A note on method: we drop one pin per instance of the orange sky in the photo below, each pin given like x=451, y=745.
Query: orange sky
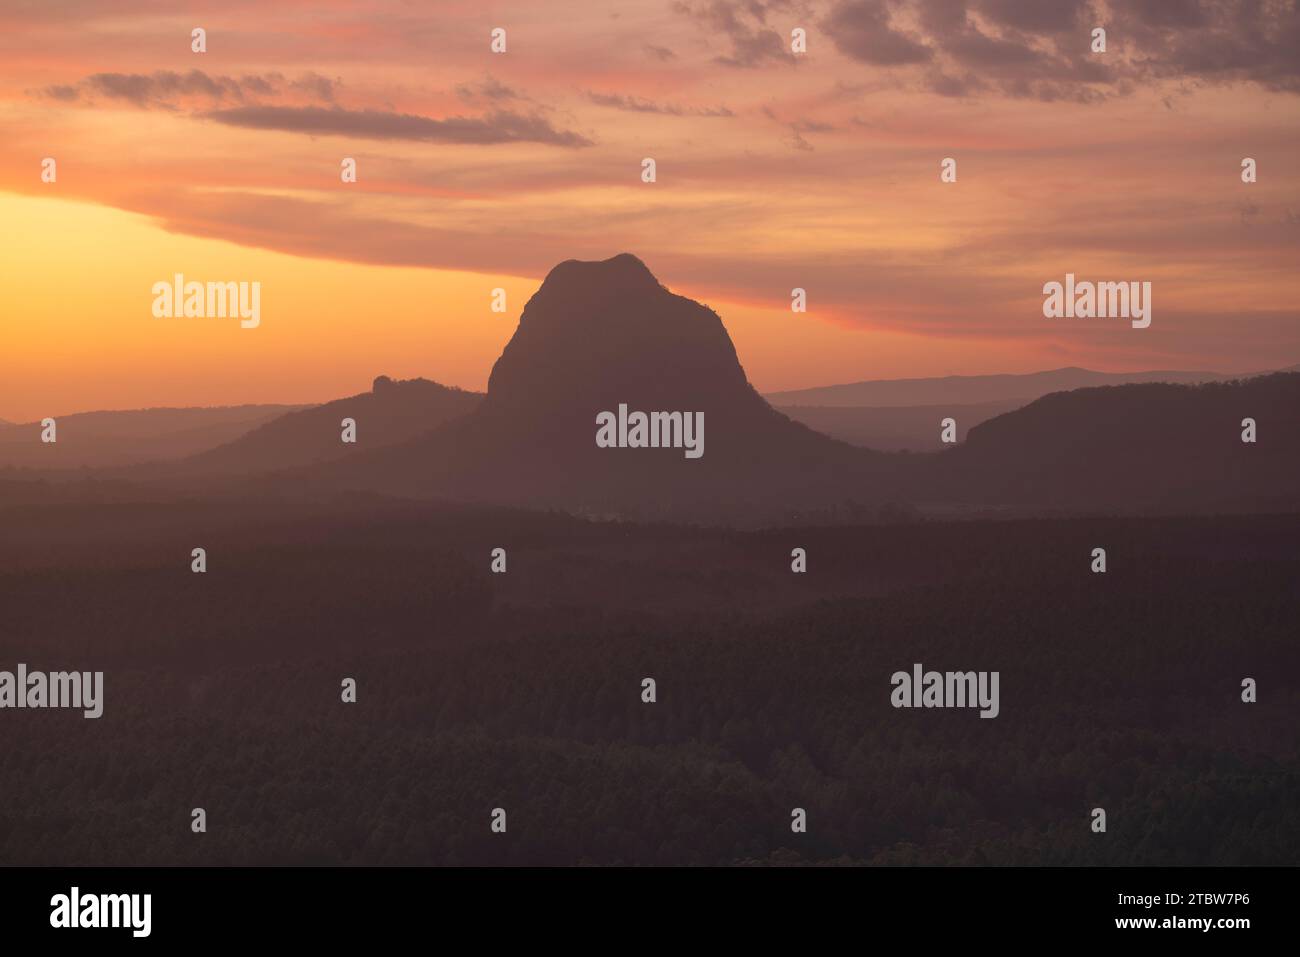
x=479, y=170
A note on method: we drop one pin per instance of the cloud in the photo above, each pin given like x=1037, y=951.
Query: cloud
x=813, y=126
x=490, y=89
x=316, y=85
x=497, y=127
x=1218, y=42
x=889, y=288
x=635, y=104
x=1035, y=16
x=345, y=232
x=662, y=54
x=797, y=127
x=744, y=23
x=947, y=84
x=242, y=102
x=165, y=89
x=1029, y=49
x=861, y=29
x=1169, y=13
x=796, y=141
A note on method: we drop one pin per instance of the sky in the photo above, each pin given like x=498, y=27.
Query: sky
x=479, y=170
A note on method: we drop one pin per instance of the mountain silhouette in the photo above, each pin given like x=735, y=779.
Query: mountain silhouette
x=898, y=414
x=392, y=411
x=597, y=335
x=1152, y=446
x=600, y=337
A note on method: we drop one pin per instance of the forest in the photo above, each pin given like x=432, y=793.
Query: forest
x=522, y=690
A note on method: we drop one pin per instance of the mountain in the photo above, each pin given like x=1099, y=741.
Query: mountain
x=597, y=335
x=1153, y=446
x=606, y=341
x=957, y=389
x=392, y=411
x=115, y=438
x=600, y=335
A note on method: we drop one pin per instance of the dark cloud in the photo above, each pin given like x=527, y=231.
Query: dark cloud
x=165, y=88
x=861, y=29
x=744, y=23
x=635, y=104
x=497, y=127
x=1169, y=13
x=1039, y=16
x=1042, y=50
x=65, y=93
x=490, y=89
x=1218, y=42
x=319, y=87
x=939, y=17
x=260, y=85
x=161, y=87
x=971, y=48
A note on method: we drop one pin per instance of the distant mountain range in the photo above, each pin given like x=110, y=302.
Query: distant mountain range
x=598, y=335
x=116, y=438
x=601, y=342
x=897, y=428
x=904, y=414
x=969, y=389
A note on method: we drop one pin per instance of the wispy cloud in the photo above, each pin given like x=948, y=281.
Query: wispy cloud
x=635, y=104
x=661, y=53
x=497, y=127
x=490, y=89
x=167, y=88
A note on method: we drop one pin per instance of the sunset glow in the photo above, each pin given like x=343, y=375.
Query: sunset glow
x=479, y=170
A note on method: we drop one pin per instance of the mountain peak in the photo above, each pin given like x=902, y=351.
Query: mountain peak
x=618, y=279
x=607, y=331
x=624, y=269
x=606, y=338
